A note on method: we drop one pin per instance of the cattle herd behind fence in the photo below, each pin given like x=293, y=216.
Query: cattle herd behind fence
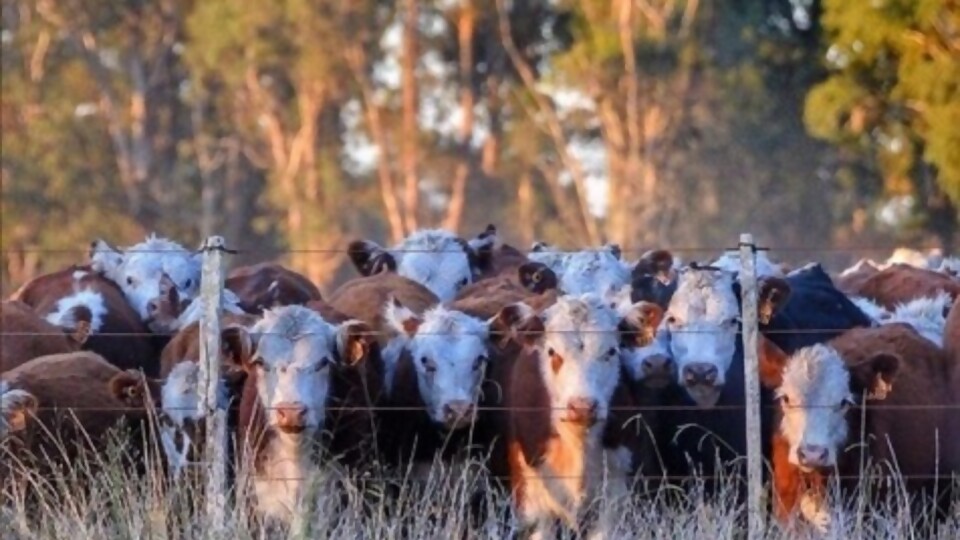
x=771, y=358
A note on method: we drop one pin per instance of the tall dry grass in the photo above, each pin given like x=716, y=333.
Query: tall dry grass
x=100, y=497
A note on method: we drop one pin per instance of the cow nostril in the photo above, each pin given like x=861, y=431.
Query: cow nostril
x=810, y=454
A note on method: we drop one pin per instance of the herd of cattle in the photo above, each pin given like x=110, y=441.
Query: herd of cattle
x=570, y=373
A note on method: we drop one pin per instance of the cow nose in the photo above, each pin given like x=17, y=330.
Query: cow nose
x=812, y=455
x=656, y=365
x=700, y=373
x=582, y=410
x=457, y=413
x=291, y=417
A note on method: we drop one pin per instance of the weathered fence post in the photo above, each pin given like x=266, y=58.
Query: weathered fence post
x=211, y=294
x=748, y=291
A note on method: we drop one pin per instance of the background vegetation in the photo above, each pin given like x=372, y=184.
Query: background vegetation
x=301, y=124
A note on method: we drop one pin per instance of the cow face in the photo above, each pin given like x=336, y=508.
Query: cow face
x=449, y=351
x=816, y=391
x=146, y=271
x=438, y=260
x=702, y=321
x=576, y=344
x=645, y=351
x=16, y=407
x=291, y=362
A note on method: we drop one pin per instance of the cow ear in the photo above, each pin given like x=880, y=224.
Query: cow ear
x=370, y=259
x=772, y=360
x=639, y=324
x=401, y=319
x=658, y=264
x=482, y=247
x=133, y=388
x=537, y=277
x=613, y=249
x=354, y=339
x=773, y=295
x=16, y=406
x=517, y=320
x=77, y=323
x=874, y=377
x=104, y=259
x=236, y=347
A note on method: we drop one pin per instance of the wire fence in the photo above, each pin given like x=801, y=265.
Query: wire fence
x=210, y=361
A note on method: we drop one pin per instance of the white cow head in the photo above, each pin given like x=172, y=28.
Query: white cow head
x=816, y=390
x=702, y=320
x=145, y=272
x=576, y=344
x=450, y=352
x=439, y=260
x=928, y=316
x=293, y=350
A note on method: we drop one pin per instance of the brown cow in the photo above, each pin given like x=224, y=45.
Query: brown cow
x=266, y=285
x=286, y=402
x=852, y=279
x=116, y=331
x=364, y=298
x=25, y=335
x=78, y=399
x=560, y=453
x=901, y=283
x=893, y=370
x=527, y=278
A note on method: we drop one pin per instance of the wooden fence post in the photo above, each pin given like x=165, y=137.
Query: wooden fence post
x=751, y=363
x=211, y=294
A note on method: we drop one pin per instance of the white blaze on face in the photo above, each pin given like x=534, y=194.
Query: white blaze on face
x=814, y=398
x=579, y=354
x=294, y=352
x=449, y=352
x=435, y=259
x=594, y=271
x=63, y=316
x=138, y=270
x=702, y=320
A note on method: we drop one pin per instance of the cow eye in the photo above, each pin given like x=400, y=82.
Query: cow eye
x=187, y=284
x=129, y=280
x=463, y=283
x=324, y=362
x=551, y=352
x=671, y=319
x=785, y=400
x=428, y=365
x=257, y=362
x=612, y=352
x=479, y=362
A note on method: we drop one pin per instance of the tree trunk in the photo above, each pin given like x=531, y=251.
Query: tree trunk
x=466, y=24
x=410, y=105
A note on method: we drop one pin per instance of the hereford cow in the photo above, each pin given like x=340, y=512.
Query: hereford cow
x=599, y=271
x=268, y=285
x=654, y=278
x=180, y=396
x=563, y=457
x=902, y=283
x=79, y=398
x=891, y=370
x=435, y=386
x=439, y=260
x=138, y=270
x=24, y=335
x=286, y=401
x=116, y=332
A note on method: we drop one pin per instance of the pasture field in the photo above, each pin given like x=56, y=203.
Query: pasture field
x=101, y=497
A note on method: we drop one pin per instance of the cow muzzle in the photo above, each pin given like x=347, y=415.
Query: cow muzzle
x=458, y=414
x=291, y=417
x=581, y=411
x=657, y=370
x=701, y=379
x=813, y=456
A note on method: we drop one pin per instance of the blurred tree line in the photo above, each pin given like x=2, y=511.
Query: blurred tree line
x=297, y=125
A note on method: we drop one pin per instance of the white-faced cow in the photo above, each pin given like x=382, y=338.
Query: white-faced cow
x=892, y=370
x=139, y=269
x=599, y=271
x=285, y=402
x=559, y=403
x=439, y=260
x=78, y=299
